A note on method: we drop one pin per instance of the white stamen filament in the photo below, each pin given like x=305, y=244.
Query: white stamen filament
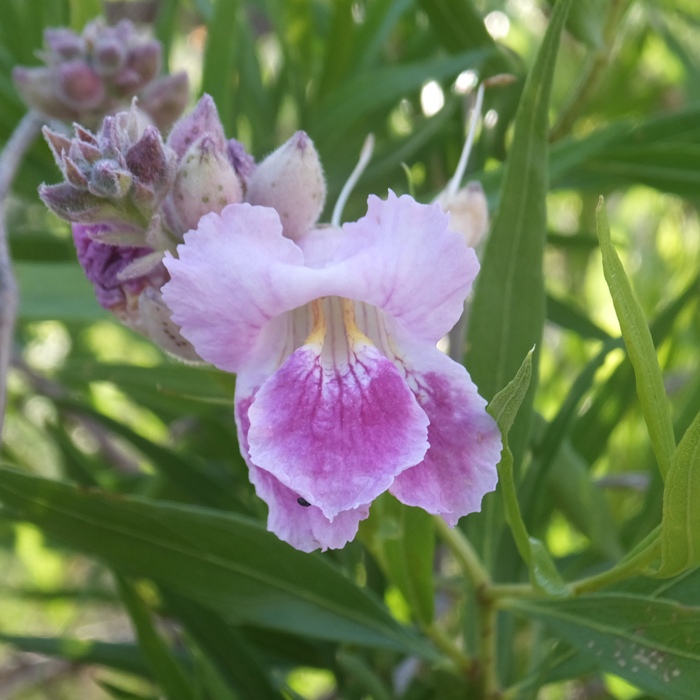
x=453, y=184
x=365, y=155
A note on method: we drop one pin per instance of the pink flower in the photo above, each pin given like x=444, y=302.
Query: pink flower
x=341, y=392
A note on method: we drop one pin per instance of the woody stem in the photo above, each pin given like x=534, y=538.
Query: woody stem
x=10, y=159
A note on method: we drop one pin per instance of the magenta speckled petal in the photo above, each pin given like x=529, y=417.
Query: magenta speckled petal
x=304, y=527
x=336, y=434
x=465, y=444
x=235, y=273
x=402, y=257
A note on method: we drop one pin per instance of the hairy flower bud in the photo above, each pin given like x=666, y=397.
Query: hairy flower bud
x=291, y=181
x=205, y=182
x=202, y=120
x=165, y=99
x=119, y=175
x=94, y=74
x=206, y=179
x=468, y=210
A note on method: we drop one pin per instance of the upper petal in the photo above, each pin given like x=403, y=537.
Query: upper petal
x=403, y=258
x=336, y=434
x=234, y=273
x=459, y=467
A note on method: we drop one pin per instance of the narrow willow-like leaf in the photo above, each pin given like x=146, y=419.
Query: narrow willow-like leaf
x=458, y=25
x=56, y=290
x=640, y=348
x=680, y=526
x=504, y=409
x=403, y=541
x=218, y=76
x=171, y=677
x=120, y=657
x=653, y=644
x=229, y=564
x=508, y=313
x=222, y=643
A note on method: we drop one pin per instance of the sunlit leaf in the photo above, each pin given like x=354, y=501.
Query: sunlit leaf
x=651, y=643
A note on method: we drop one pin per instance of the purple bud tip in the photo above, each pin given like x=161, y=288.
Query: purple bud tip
x=301, y=140
x=243, y=163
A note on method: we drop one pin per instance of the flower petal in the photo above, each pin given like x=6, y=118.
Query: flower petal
x=234, y=274
x=304, y=527
x=465, y=444
x=403, y=258
x=336, y=434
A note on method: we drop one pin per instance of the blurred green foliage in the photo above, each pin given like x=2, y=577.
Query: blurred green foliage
x=159, y=494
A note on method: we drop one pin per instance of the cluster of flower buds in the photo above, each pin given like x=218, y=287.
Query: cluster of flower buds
x=131, y=196
x=86, y=76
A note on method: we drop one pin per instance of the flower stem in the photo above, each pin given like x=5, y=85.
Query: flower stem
x=464, y=553
x=450, y=649
x=10, y=159
x=625, y=569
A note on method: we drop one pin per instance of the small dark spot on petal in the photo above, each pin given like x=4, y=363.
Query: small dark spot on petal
x=303, y=502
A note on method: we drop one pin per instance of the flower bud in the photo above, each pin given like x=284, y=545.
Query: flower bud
x=88, y=76
x=243, y=163
x=108, y=180
x=151, y=163
x=205, y=182
x=157, y=325
x=102, y=264
x=63, y=44
x=291, y=180
x=203, y=119
x=109, y=56
x=165, y=99
x=142, y=66
x=37, y=88
x=468, y=210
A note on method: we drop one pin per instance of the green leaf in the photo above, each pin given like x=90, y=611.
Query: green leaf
x=56, y=290
x=506, y=403
x=458, y=25
x=567, y=316
x=227, y=563
x=504, y=409
x=651, y=643
x=218, y=71
x=186, y=474
x=121, y=657
x=403, y=540
x=171, y=677
x=508, y=312
x=640, y=348
x=680, y=526
x=382, y=87
x=221, y=643
x=82, y=11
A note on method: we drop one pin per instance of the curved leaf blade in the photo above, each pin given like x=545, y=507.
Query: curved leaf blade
x=227, y=563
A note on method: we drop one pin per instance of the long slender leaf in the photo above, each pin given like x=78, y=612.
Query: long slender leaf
x=227, y=563
x=680, y=527
x=649, y=642
x=640, y=348
x=508, y=311
x=172, y=678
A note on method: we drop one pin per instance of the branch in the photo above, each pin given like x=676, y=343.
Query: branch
x=10, y=159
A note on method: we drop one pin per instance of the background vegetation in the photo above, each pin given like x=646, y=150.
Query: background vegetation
x=148, y=575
